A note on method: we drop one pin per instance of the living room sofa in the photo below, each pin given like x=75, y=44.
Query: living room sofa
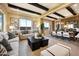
x=15, y=47
x=14, y=43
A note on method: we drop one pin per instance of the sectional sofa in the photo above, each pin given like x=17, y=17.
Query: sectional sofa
x=14, y=44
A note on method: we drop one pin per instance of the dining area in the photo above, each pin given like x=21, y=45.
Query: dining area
x=70, y=35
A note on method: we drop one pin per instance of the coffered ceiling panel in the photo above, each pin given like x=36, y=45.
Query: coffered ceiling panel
x=64, y=12
x=49, y=18
x=75, y=7
x=38, y=9
x=53, y=15
x=49, y=5
x=29, y=7
x=32, y=14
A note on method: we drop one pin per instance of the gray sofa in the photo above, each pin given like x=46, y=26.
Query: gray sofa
x=14, y=43
x=15, y=46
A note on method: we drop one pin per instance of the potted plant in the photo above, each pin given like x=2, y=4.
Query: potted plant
x=42, y=28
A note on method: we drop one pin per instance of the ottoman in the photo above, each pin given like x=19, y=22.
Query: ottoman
x=34, y=43
x=56, y=50
x=44, y=42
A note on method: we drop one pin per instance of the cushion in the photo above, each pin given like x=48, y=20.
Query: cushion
x=5, y=35
x=1, y=37
x=59, y=33
x=11, y=35
x=53, y=33
x=65, y=34
x=16, y=39
x=24, y=32
x=6, y=44
x=15, y=47
x=3, y=51
x=77, y=36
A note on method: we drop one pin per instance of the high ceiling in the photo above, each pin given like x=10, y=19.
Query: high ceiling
x=39, y=9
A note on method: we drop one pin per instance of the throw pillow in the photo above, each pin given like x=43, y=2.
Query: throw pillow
x=3, y=51
x=11, y=35
x=6, y=44
x=1, y=37
x=5, y=35
x=24, y=32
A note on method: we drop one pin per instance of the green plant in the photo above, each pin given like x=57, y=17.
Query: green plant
x=42, y=27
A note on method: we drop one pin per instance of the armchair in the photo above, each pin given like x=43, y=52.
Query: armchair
x=53, y=33
x=66, y=35
x=77, y=36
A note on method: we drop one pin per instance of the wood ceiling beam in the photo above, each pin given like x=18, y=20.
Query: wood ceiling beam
x=39, y=6
x=23, y=9
x=52, y=17
x=52, y=10
x=59, y=14
x=71, y=10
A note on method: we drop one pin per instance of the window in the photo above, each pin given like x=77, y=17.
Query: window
x=25, y=24
x=70, y=26
x=1, y=22
x=29, y=23
x=46, y=25
x=22, y=22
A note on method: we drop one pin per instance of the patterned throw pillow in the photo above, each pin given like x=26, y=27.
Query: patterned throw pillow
x=6, y=44
x=11, y=35
x=3, y=35
x=4, y=41
x=3, y=51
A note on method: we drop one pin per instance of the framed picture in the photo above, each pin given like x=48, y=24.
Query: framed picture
x=15, y=22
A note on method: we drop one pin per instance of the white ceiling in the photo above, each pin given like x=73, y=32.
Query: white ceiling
x=75, y=7
x=29, y=7
x=53, y=15
x=49, y=5
x=24, y=12
x=64, y=12
x=48, y=18
x=33, y=8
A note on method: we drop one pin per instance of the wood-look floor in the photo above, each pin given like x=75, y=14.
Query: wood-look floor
x=26, y=51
